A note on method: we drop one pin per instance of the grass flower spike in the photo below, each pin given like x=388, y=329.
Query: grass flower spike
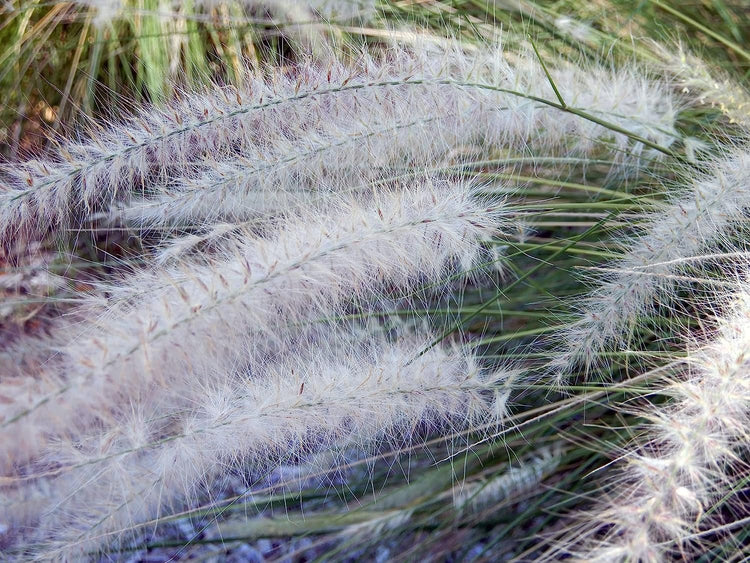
x=361, y=280
x=690, y=223
x=168, y=327
x=369, y=391
x=673, y=475
x=210, y=155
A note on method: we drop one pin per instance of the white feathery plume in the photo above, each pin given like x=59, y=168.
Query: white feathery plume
x=421, y=106
x=368, y=391
x=298, y=128
x=693, y=220
x=700, y=83
x=167, y=328
x=673, y=474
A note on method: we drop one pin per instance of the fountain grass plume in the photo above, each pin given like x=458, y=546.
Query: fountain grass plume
x=699, y=216
x=706, y=86
x=165, y=328
x=688, y=461
x=317, y=123
x=330, y=394
x=420, y=109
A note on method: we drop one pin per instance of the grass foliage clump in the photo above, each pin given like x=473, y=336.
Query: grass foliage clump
x=354, y=280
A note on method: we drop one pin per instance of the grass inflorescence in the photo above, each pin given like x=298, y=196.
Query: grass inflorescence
x=355, y=280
